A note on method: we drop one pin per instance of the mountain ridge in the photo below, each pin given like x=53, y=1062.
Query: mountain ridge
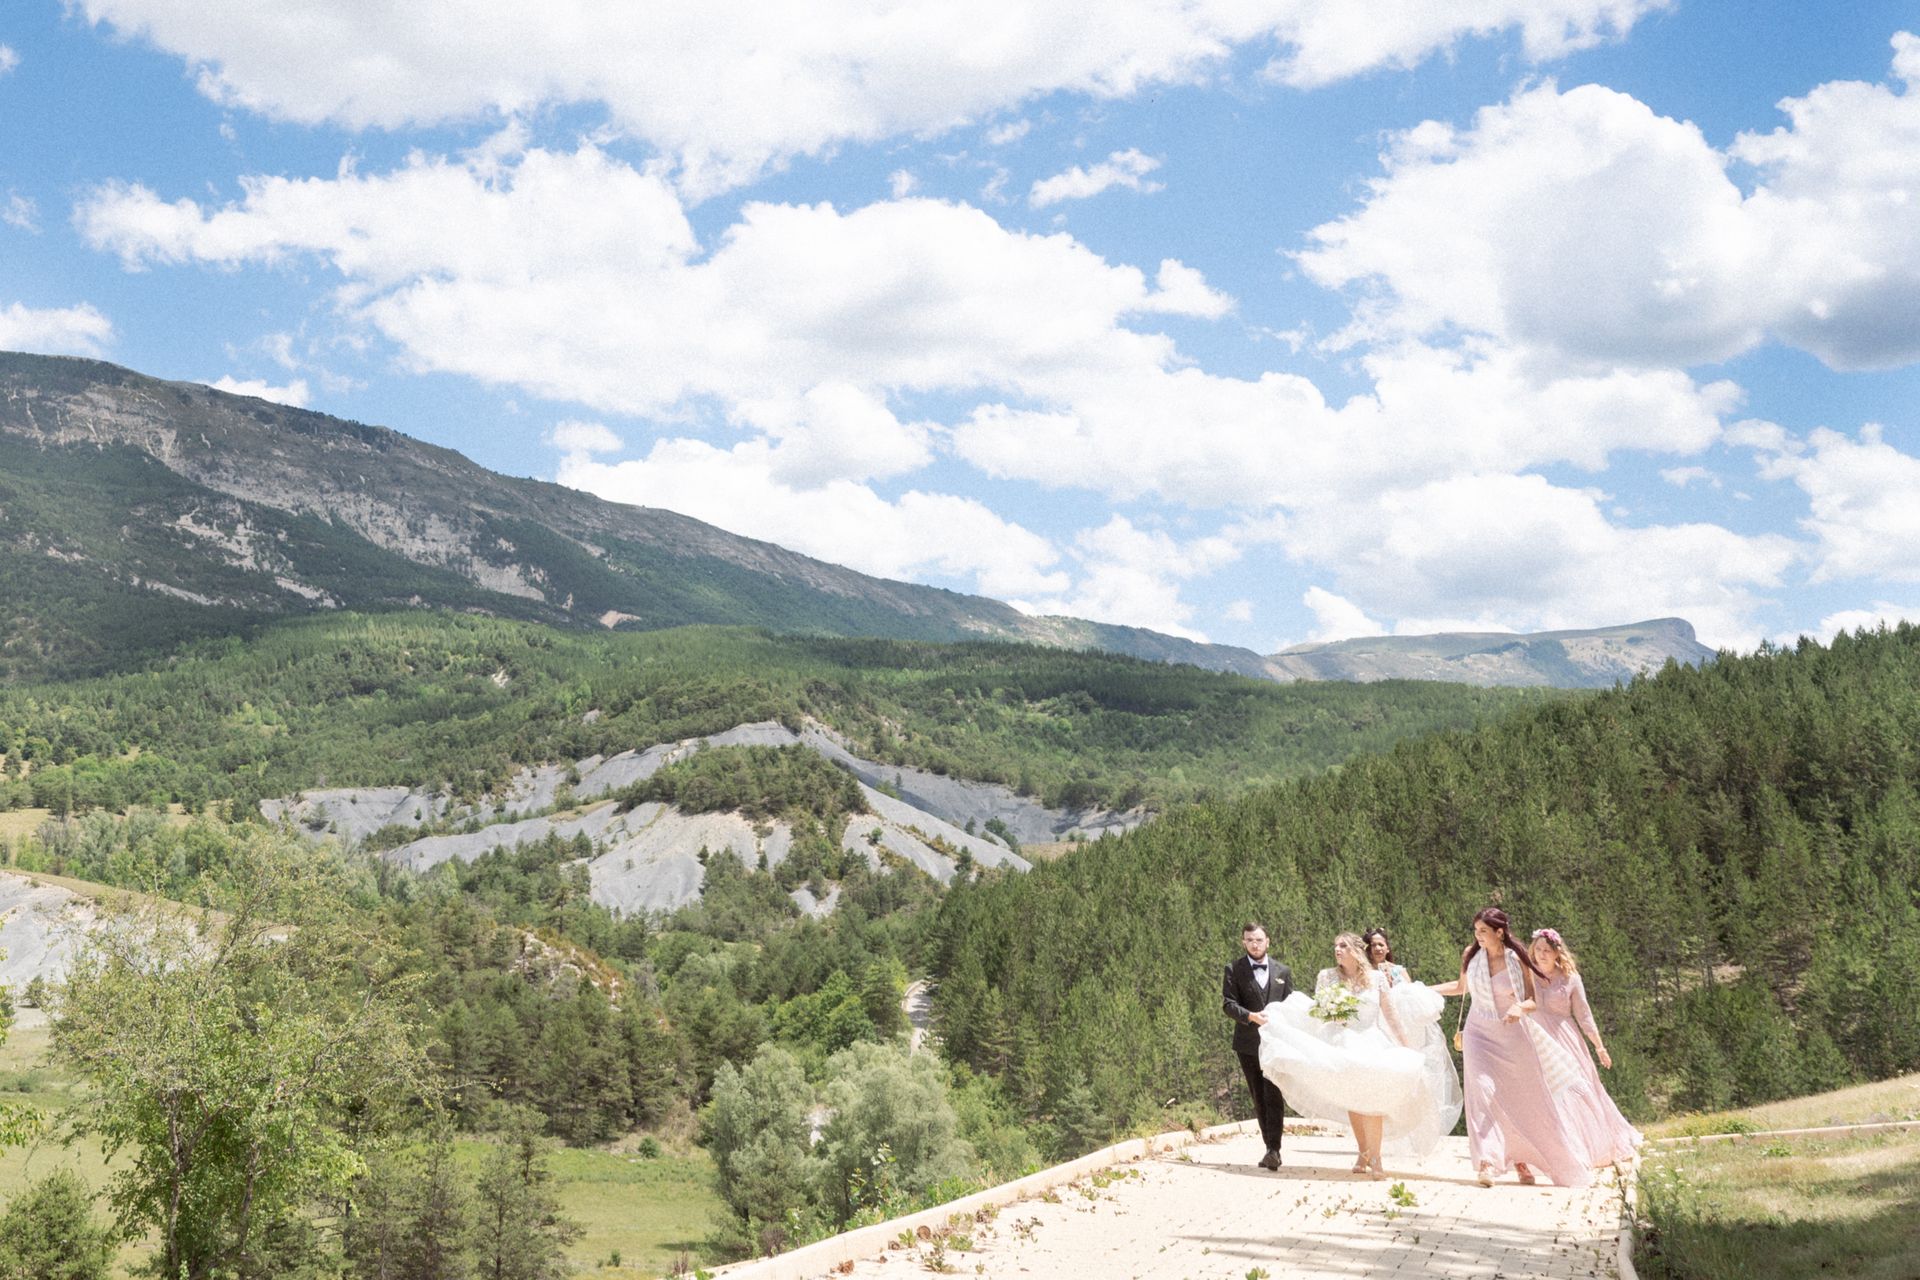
x=240, y=509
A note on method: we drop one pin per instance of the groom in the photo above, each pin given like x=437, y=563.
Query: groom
x=1250, y=984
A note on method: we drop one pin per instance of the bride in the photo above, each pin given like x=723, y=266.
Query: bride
x=1344, y=1055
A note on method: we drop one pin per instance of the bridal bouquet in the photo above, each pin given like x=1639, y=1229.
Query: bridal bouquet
x=1336, y=1003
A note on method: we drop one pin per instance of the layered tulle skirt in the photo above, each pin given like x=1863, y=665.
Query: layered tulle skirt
x=1327, y=1070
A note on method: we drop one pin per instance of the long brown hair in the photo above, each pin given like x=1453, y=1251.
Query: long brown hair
x=1495, y=918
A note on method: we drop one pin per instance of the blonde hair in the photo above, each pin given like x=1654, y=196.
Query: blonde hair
x=1569, y=963
x=1359, y=949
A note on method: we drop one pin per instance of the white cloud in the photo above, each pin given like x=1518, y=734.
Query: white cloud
x=1237, y=611
x=1880, y=614
x=278, y=347
x=1336, y=618
x=901, y=183
x=1132, y=576
x=1204, y=440
x=1128, y=169
x=8, y=59
x=1515, y=551
x=20, y=211
x=77, y=330
x=1582, y=224
x=295, y=393
x=577, y=277
x=575, y=436
x=1681, y=477
x=1864, y=501
x=740, y=489
x=727, y=95
x=1004, y=135
x=837, y=431
x=551, y=213
x=1332, y=41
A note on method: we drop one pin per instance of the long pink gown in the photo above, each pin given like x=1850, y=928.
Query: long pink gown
x=1513, y=1113
x=1564, y=1014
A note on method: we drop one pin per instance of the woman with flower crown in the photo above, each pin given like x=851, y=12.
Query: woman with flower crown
x=1336, y=1058
x=1564, y=1015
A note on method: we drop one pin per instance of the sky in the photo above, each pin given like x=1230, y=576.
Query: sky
x=1254, y=321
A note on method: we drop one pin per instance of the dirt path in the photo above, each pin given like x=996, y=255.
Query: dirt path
x=917, y=1004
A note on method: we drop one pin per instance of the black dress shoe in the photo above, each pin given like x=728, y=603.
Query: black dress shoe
x=1271, y=1160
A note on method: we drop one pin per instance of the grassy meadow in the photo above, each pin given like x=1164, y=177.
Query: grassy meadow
x=1785, y=1207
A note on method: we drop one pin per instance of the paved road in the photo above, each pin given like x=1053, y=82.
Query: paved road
x=1212, y=1216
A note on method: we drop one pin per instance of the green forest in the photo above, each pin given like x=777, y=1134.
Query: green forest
x=1734, y=852
x=459, y=703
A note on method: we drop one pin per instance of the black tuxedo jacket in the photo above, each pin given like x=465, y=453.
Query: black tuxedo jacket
x=1240, y=995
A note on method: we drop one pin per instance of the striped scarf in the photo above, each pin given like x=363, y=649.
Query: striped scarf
x=1555, y=1062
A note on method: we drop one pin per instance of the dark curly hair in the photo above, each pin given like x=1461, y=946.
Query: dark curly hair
x=1366, y=941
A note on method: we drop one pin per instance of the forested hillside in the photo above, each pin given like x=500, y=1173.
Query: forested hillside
x=1734, y=852
x=459, y=703
x=514, y=988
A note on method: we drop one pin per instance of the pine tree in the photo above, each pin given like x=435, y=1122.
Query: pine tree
x=48, y=1233
x=518, y=1232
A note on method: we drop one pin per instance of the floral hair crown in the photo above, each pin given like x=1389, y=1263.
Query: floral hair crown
x=1551, y=935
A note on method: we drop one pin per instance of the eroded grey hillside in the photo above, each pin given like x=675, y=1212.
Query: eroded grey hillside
x=648, y=859
x=41, y=927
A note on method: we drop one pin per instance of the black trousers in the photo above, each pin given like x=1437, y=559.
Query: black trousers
x=1267, y=1106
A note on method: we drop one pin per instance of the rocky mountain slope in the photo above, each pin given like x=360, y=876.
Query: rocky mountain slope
x=1567, y=659
x=136, y=513
x=190, y=510
x=649, y=858
x=42, y=923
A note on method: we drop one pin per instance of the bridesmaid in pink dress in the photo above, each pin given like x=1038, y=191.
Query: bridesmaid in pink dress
x=1564, y=1014
x=1515, y=1076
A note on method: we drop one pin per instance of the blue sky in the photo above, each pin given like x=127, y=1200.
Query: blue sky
x=1255, y=321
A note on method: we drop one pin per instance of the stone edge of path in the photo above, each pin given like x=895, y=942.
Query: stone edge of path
x=1629, y=1223
x=823, y=1256
x=1819, y=1131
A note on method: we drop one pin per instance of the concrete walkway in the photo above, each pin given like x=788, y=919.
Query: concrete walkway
x=1205, y=1213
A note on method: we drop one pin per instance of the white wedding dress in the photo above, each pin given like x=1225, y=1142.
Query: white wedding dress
x=1366, y=1065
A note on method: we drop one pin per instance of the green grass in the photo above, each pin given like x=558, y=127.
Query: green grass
x=1783, y=1208
x=651, y=1211
x=15, y=823
x=1895, y=1099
